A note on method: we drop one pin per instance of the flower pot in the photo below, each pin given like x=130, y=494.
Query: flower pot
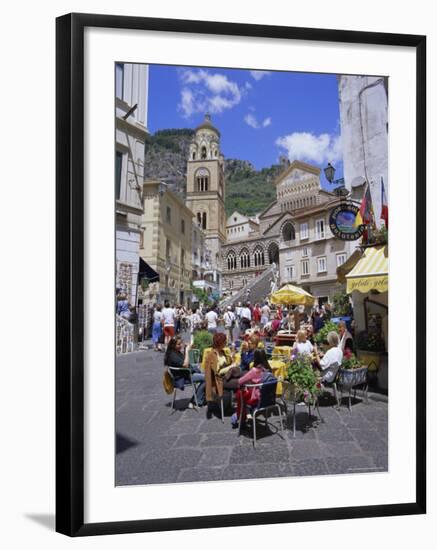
x=352, y=377
x=370, y=358
x=290, y=391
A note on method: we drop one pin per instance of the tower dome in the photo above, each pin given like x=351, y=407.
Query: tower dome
x=207, y=125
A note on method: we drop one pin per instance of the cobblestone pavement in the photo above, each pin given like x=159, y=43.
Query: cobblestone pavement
x=153, y=446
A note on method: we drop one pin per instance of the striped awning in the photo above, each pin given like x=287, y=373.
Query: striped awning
x=370, y=272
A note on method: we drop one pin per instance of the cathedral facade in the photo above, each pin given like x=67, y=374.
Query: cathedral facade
x=293, y=232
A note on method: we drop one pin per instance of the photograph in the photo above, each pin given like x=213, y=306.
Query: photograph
x=251, y=274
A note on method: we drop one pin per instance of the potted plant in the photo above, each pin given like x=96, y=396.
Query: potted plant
x=202, y=340
x=352, y=372
x=303, y=382
x=370, y=345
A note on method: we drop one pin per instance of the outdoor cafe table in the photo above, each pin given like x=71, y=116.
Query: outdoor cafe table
x=282, y=350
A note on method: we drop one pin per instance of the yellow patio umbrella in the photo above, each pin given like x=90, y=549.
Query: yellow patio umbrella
x=290, y=295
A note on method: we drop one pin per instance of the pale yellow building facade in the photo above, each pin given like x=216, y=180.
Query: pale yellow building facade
x=166, y=242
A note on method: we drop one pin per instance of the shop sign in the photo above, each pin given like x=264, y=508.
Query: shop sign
x=342, y=222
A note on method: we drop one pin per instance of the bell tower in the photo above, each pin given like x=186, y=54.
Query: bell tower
x=206, y=188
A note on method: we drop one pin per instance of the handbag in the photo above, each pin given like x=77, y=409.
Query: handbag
x=167, y=383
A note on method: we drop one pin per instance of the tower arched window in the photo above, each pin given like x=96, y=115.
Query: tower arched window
x=244, y=259
x=202, y=180
x=194, y=155
x=204, y=220
x=199, y=218
x=203, y=153
x=258, y=256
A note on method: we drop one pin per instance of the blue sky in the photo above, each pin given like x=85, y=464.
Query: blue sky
x=260, y=114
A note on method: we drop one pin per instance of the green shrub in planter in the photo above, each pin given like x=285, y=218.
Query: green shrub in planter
x=202, y=340
x=329, y=326
x=304, y=382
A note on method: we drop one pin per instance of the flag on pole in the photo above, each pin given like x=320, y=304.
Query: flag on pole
x=384, y=205
x=365, y=213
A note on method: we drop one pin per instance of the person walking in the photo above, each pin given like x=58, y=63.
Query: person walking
x=246, y=318
x=168, y=322
x=157, y=328
x=229, y=320
x=211, y=319
x=265, y=314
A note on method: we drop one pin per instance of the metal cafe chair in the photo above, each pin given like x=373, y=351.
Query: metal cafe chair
x=181, y=377
x=266, y=405
x=329, y=380
x=194, y=358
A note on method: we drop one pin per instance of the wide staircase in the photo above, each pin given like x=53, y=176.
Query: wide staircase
x=255, y=291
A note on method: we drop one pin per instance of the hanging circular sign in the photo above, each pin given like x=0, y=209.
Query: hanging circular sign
x=342, y=222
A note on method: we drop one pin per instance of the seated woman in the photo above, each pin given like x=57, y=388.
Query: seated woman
x=302, y=344
x=247, y=356
x=250, y=396
x=331, y=361
x=174, y=357
x=218, y=367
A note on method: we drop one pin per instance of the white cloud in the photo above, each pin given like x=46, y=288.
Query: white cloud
x=258, y=75
x=252, y=121
x=204, y=91
x=310, y=147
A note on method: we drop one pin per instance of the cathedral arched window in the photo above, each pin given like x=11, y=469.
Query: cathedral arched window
x=244, y=259
x=199, y=218
x=204, y=220
x=231, y=260
x=194, y=155
x=273, y=252
x=288, y=233
x=258, y=256
x=203, y=153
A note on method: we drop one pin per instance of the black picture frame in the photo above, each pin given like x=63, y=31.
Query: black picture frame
x=70, y=272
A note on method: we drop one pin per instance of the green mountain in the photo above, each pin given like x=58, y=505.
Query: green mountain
x=247, y=190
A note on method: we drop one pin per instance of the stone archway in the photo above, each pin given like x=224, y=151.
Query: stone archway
x=273, y=253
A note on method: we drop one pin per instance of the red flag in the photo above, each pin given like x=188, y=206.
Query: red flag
x=365, y=214
x=384, y=205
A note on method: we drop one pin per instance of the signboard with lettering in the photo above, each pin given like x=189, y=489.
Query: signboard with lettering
x=342, y=222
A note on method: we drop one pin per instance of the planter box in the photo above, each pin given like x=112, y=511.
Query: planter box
x=352, y=377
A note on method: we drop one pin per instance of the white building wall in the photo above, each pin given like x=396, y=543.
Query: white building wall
x=127, y=251
x=132, y=80
x=364, y=134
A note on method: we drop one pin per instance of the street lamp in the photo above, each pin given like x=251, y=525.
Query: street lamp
x=330, y=174
x=341, y=190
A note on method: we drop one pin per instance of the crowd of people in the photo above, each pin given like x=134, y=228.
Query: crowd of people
x=228, y=367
